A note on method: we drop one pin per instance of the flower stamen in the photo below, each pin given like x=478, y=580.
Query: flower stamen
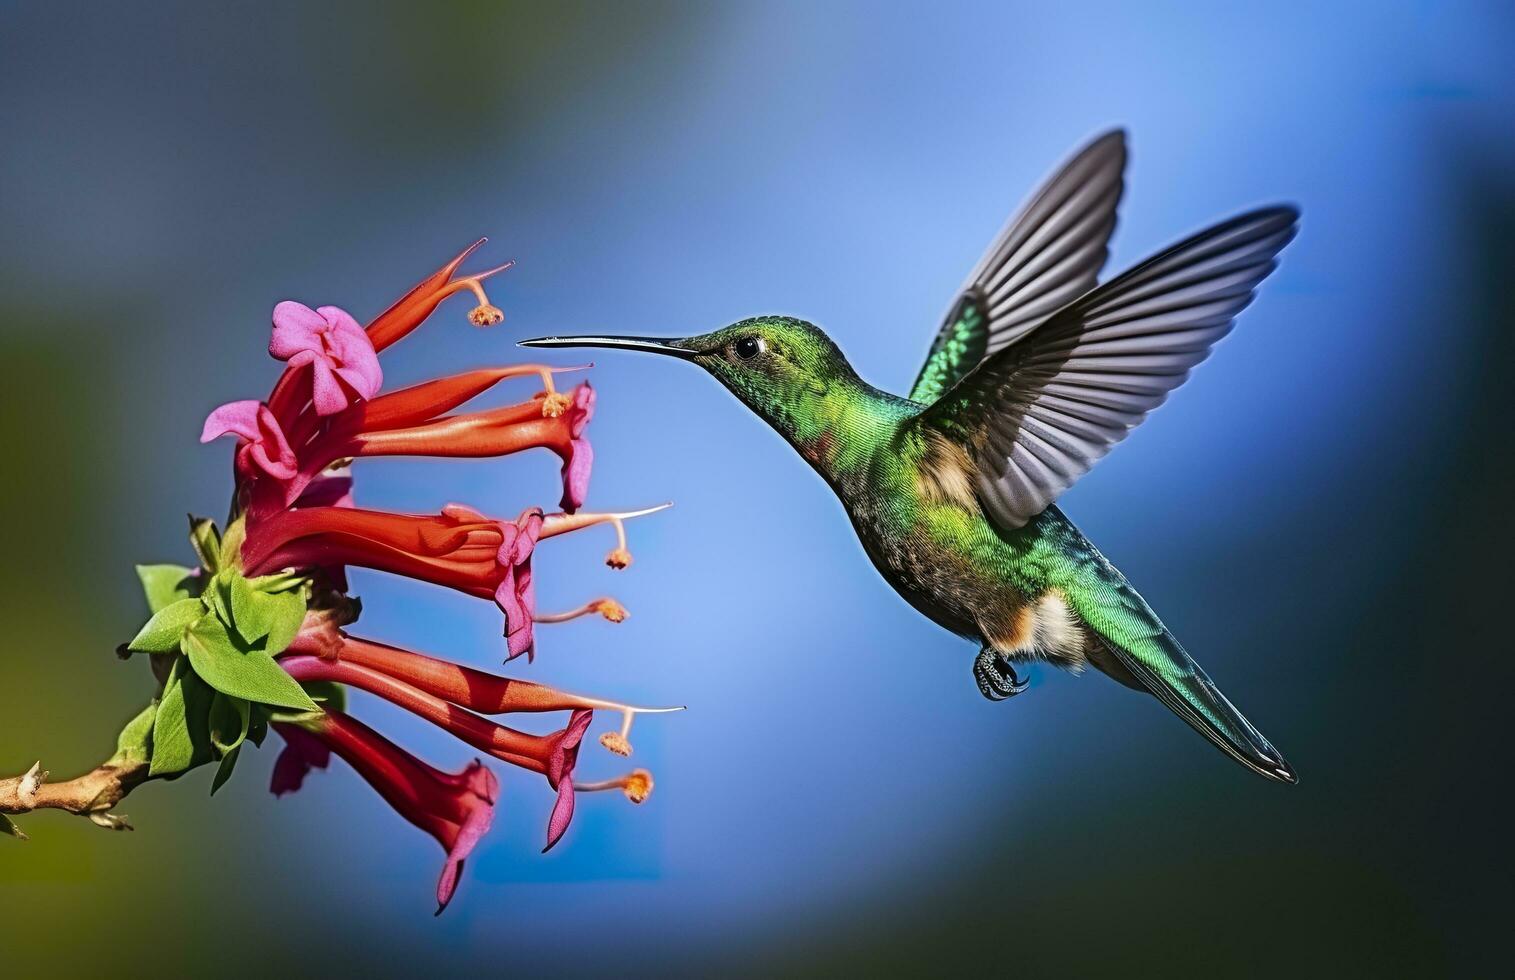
x=637, y=785
x=605, y=606
x=554, y=402
x=620, y=556
x=486, y=314
x=620, y=742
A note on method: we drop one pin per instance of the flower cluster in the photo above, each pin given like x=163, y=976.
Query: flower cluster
x=256, y=636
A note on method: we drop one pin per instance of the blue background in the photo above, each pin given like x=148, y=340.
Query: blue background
x=1320, y=513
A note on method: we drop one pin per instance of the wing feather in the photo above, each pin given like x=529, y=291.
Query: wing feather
x=1049, y=254
x=1041, y=410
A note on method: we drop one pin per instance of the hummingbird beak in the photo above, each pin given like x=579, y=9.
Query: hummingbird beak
x=656, y=345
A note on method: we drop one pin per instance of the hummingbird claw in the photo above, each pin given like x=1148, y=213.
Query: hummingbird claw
x=996, y=676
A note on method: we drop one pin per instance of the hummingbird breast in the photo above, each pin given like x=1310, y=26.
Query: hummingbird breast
x=921, y=525
x=941, y=582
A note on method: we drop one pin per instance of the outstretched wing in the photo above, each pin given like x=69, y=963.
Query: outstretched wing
x=1050, y=253
x=1037, y=415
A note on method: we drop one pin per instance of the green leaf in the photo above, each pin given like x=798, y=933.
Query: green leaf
x=279, y=581
x=223, y=771
x=257, y=614
x=135, y=743
x=8, y=826
x=180, y=731
x=207, y=542
x=250, y=613
x=166, y=584
x=231, y=544
x=239, y=671
x=162, y=632
x=218, y=596
x=257, y=731
x=229, y=720
x=286, y=614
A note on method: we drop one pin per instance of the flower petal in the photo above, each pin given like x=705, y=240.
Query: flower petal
x=235, y=418
x=582, y=410
x=473, y=830
x=560, y=767
x=576, y=475
x=326, y=391
x=302, y=753
x=562, y=814
x=297, y=327
x=353, y=352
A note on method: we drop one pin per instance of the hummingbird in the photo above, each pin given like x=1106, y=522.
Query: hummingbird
x=1036, y=372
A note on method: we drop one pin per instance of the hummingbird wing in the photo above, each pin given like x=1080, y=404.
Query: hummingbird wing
x=1049, y=253
x=1036, y=415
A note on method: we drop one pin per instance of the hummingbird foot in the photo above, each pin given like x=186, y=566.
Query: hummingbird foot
x=996, y=676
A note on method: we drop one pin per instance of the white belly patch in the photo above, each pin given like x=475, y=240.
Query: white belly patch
x=1055, y=634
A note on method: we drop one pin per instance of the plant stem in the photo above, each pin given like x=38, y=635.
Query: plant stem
x=90, y=795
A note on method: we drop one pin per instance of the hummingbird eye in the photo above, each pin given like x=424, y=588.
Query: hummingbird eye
x=747, y=348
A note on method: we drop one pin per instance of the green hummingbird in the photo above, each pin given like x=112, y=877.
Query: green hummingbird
x=1035, y=374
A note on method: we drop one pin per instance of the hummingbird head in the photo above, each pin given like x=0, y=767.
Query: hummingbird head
x=786, y=370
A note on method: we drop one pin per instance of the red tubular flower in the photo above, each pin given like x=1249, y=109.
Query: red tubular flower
x=455, y=808
x=458, y=548
x=330, y=489
x=293, y=511
x=476, y=690
x=425, y=402
x=411, y=422
x=381, y=429
x=553, y=755
x=412, y=309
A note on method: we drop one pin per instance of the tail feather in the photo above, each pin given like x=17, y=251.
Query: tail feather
x=1143, y=650
x=1160, y=664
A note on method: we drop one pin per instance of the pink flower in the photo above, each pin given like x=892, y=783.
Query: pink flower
x=293, y=510
x=560, y=767
x=263, y=448
x=554, y=755
x=393, y=426
x=455, y=808
x=341, y=357
x=579, y=456
x=516, y=595
x=412, y=422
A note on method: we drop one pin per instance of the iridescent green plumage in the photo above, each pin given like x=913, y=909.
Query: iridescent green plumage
x=957, y=350
x=1033, y=377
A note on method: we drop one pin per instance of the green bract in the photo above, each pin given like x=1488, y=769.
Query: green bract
x=223, y=631
x=163, y=631
x=164, y=584
x=135, y=743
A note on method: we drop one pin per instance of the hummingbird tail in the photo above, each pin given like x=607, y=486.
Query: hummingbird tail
x=1160, y=665
x=1133, y=646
